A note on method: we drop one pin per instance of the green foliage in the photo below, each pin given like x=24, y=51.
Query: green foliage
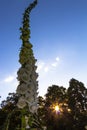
x=56, y=95
x=77, y=100
x=26, y=53
x=9, y=113
x=72, y=103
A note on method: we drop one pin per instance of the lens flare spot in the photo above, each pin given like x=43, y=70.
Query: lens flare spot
x=57, y=108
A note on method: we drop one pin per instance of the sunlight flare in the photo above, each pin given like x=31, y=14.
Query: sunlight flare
x=57, y=109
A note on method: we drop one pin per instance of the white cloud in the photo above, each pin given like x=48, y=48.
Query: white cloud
x=40, y=66
x=54, y=64
x=7, y=85
x=57, y=58
x=9, y=79
x=46, y=69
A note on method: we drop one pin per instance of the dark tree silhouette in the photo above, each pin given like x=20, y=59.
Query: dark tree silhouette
x=77, y=101
x=56, y=96
x=9, y=113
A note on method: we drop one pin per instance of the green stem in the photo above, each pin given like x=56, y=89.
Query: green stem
x=23, y=126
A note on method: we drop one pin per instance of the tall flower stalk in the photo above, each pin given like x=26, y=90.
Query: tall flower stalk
x=27, y=76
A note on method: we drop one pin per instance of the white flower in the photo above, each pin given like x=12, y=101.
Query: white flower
x=21, y=102
x=22, y=88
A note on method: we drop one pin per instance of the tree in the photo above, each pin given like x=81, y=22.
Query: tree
x=71, y=112
x=77, y=101
x=55, y=94
x=9, y=114
x=56, y=119
x=41, y=110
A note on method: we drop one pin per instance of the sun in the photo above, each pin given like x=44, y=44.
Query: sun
x=57, y=108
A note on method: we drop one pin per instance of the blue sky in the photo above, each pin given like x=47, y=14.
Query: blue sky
x=59, y=38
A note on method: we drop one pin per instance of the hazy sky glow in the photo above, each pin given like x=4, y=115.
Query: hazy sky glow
x=59, y=38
